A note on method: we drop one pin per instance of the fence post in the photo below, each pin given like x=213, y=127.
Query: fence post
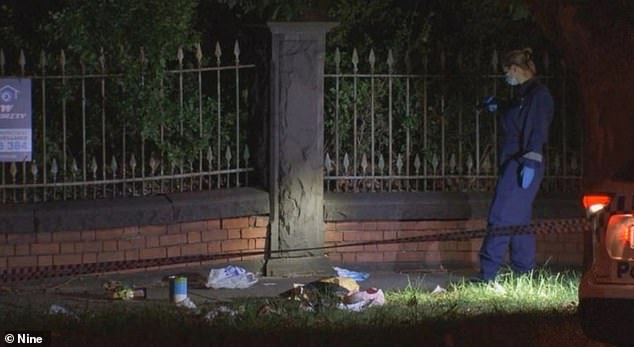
x=296, y=151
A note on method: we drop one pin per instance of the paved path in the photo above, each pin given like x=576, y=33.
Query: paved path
x=87, y=291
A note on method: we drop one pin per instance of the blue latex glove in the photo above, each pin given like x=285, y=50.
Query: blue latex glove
x=526, y=176
x=489, y=103
x=527, y=172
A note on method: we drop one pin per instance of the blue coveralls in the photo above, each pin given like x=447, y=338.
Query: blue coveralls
x=524, y=131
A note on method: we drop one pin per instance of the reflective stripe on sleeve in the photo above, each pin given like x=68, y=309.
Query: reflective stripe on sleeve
x=533, y=156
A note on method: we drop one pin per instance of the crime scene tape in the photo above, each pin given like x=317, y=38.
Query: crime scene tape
x=560, y=226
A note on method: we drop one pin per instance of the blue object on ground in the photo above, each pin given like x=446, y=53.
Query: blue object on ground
x=357, y=276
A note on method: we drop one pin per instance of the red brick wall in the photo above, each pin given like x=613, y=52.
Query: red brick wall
x=249, y=234
x=134, y=243
x=562, y=249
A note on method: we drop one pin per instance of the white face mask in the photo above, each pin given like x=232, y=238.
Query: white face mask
x=511, y=80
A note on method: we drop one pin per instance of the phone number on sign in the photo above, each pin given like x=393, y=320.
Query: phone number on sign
x=14, y=146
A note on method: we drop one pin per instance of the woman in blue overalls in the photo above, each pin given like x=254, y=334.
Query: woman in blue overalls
x=524, y=132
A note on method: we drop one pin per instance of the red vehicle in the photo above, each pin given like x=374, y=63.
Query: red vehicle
x=606, y=291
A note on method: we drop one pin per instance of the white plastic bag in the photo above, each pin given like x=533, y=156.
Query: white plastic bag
x=230, y=277
x=187, y=303
x=439, y=290
x=57, y=309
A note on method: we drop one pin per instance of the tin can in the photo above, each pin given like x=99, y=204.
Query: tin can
x=178, y=288
x=139, y=293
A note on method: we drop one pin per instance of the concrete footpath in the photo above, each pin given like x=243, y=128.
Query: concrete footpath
x=87, y=291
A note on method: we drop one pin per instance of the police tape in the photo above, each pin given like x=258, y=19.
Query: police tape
x=560, y=226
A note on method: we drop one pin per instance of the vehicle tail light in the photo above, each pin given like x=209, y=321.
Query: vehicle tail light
x=619, y=238
x=624, y=234
x=594, y=203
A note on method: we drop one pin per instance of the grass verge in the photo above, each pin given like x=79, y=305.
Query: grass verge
x=538, y=309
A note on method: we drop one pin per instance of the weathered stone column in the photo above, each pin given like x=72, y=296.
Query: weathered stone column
x=297, y=135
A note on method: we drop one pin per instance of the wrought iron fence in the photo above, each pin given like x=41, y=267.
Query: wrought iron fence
x=389, y=131
x=87, y=145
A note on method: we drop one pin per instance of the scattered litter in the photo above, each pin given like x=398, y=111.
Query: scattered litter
x=334, y=292
x=296, y=293
x=230, y=277
x=186, y=303
x=221, y=311
x=350, y=284
x=307, y=306
x=497, y=288
x=121, y=291
x=361, y=300
x=357, y=276
x=332, y=287
x=177, y=288
x=439, y=290
x=316, y=295
x=131, y=293
x=58, y=309
x=266, y=310
x=111, y=285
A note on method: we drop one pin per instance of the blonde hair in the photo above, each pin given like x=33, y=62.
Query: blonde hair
x=522, y=58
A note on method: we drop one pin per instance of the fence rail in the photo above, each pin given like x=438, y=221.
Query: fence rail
x=390, y=131
x=99, y=134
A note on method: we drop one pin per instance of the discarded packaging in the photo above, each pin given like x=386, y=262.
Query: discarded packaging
x=177, y=288
x=121, y=291
x=317, y=295
x=186, y=303
x=57, y=309
x=130, y=294
x=220, y=311
x=345, y=282
x=361, y=300
x=439, y=290
x=307, y=306
x=368, y=295
x=318, y=288
x=357, y=276
x=230, y=277
x=497, y=288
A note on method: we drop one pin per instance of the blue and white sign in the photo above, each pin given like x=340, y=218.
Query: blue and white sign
x=15, y=120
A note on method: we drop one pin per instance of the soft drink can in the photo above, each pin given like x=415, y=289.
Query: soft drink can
x=178, y=288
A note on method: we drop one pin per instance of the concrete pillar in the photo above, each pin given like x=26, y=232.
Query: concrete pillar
x=297, y=135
